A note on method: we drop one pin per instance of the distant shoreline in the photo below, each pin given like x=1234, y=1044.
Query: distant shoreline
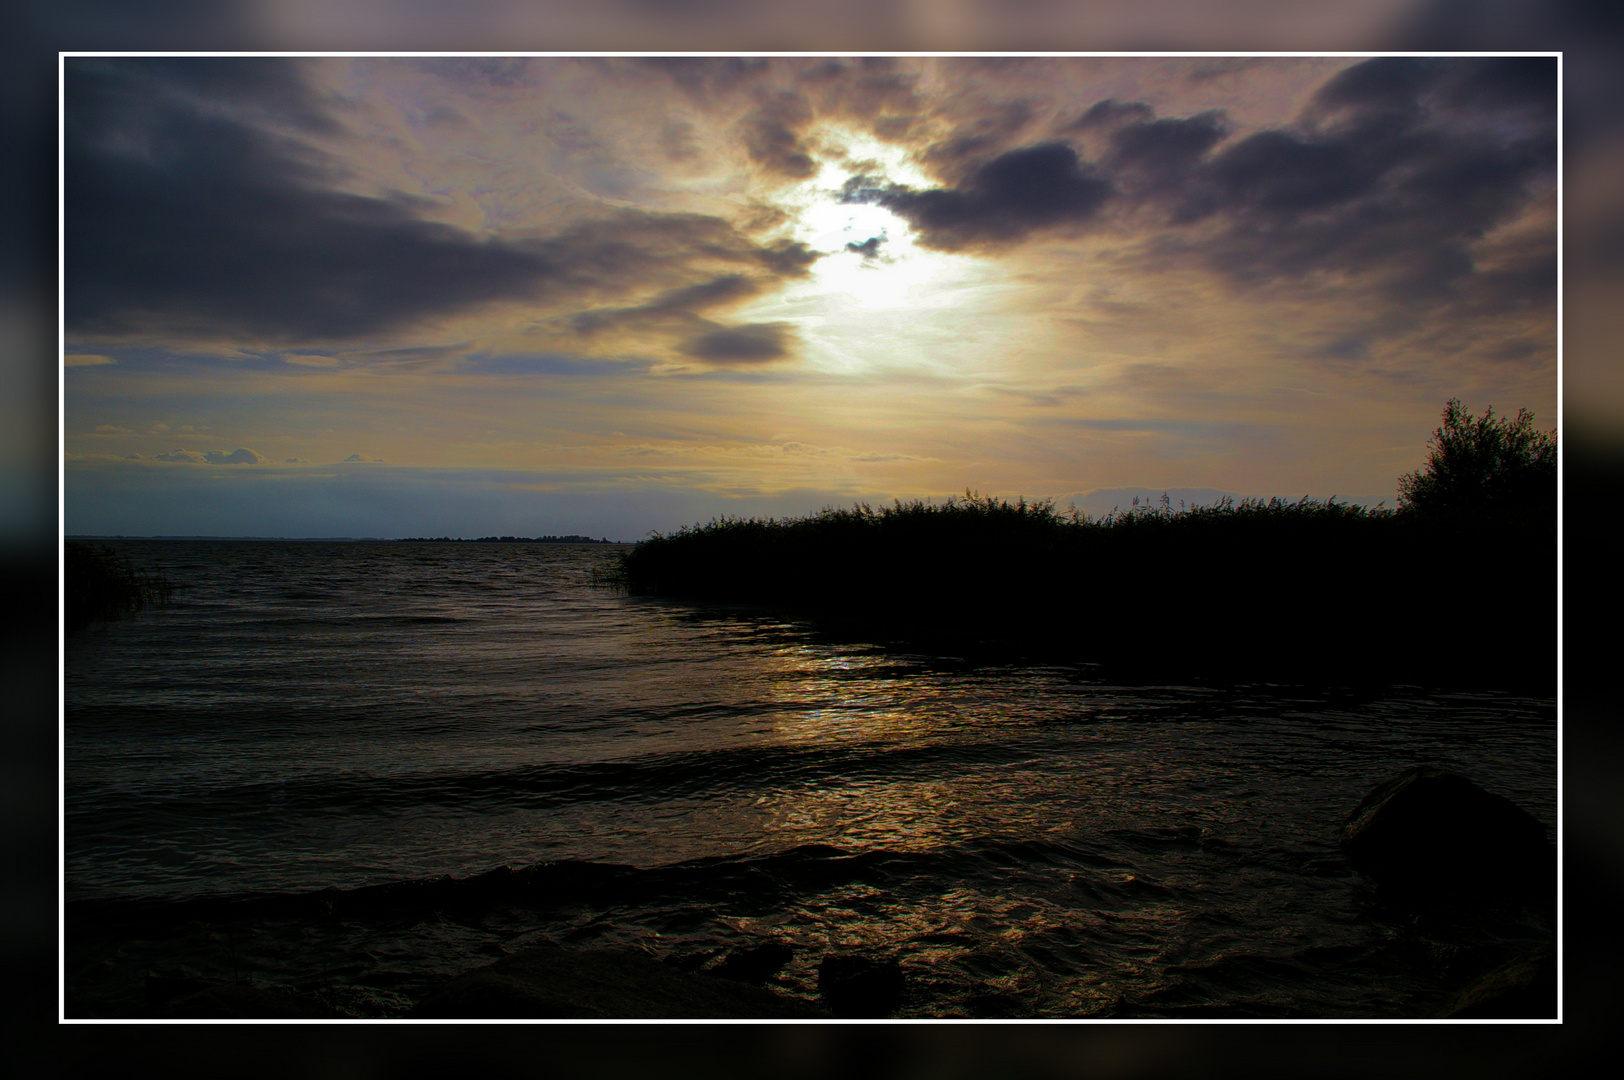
x=572, y=539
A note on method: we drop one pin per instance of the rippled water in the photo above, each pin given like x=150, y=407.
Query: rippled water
x=1029, y=840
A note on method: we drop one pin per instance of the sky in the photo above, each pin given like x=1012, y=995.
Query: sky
x=474, y=296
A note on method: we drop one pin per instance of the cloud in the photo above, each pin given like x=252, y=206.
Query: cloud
x=677, y=141
x=1016, y=193
x=1109, y=112
x=86, y=360
x=1391, y=189
x=674, y=306
x=772, y=136
x=1153, y=155
x=1388, y=186
x=1381, y=176
x=989, y=131
x=239, y=456
x=704, y=79
x=554, y=365
x=871, y=92
x=185, y=219
x=755, y=343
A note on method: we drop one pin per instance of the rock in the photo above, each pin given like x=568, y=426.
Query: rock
x=1523, y=988
x=755, y=965
x=1430, y=833
x=547, y=981
x=856, y=986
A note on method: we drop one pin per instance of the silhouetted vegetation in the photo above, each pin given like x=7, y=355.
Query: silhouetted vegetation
x=1484, y=465
x=1257, y=589
x=102, y=584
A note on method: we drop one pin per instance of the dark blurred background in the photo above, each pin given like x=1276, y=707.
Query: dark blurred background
x=1590, y=34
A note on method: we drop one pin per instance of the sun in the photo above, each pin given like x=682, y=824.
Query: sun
x=870, y=255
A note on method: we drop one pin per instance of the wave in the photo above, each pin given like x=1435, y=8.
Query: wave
x=652, y=778
x=1088, y=871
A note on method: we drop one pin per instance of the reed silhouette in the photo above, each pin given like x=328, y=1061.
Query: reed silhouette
x=1456, y=586
x=100, y=583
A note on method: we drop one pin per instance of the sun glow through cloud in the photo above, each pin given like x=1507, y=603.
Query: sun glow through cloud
x=873, y=277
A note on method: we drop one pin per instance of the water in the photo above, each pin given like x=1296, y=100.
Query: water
x=1029, y=840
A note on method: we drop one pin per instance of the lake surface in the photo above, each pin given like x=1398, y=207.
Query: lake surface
x=1029, y=840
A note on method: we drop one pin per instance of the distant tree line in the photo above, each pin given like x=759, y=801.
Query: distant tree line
x=570, y=539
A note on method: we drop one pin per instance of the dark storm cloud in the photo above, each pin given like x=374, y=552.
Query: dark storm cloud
x=1384, y=176
x=214, y=226
x=1508, y=83
x=195, y=221
x=1000, y=202
x=869, y=248
x=756, y=343
x=1156, y=155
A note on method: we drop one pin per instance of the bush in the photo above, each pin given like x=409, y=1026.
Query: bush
x=1483, y=464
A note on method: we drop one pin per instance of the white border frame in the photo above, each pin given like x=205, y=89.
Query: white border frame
x=64, y=56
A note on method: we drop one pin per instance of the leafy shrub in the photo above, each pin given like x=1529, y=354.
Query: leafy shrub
x=1483, y=464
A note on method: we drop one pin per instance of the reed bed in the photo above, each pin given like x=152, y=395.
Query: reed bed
x=1305, y=590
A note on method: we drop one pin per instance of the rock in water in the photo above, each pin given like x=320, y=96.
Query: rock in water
x=857, y=987
x=1428, y=832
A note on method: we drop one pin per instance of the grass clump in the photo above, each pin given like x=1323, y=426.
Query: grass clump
x=102, y=584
